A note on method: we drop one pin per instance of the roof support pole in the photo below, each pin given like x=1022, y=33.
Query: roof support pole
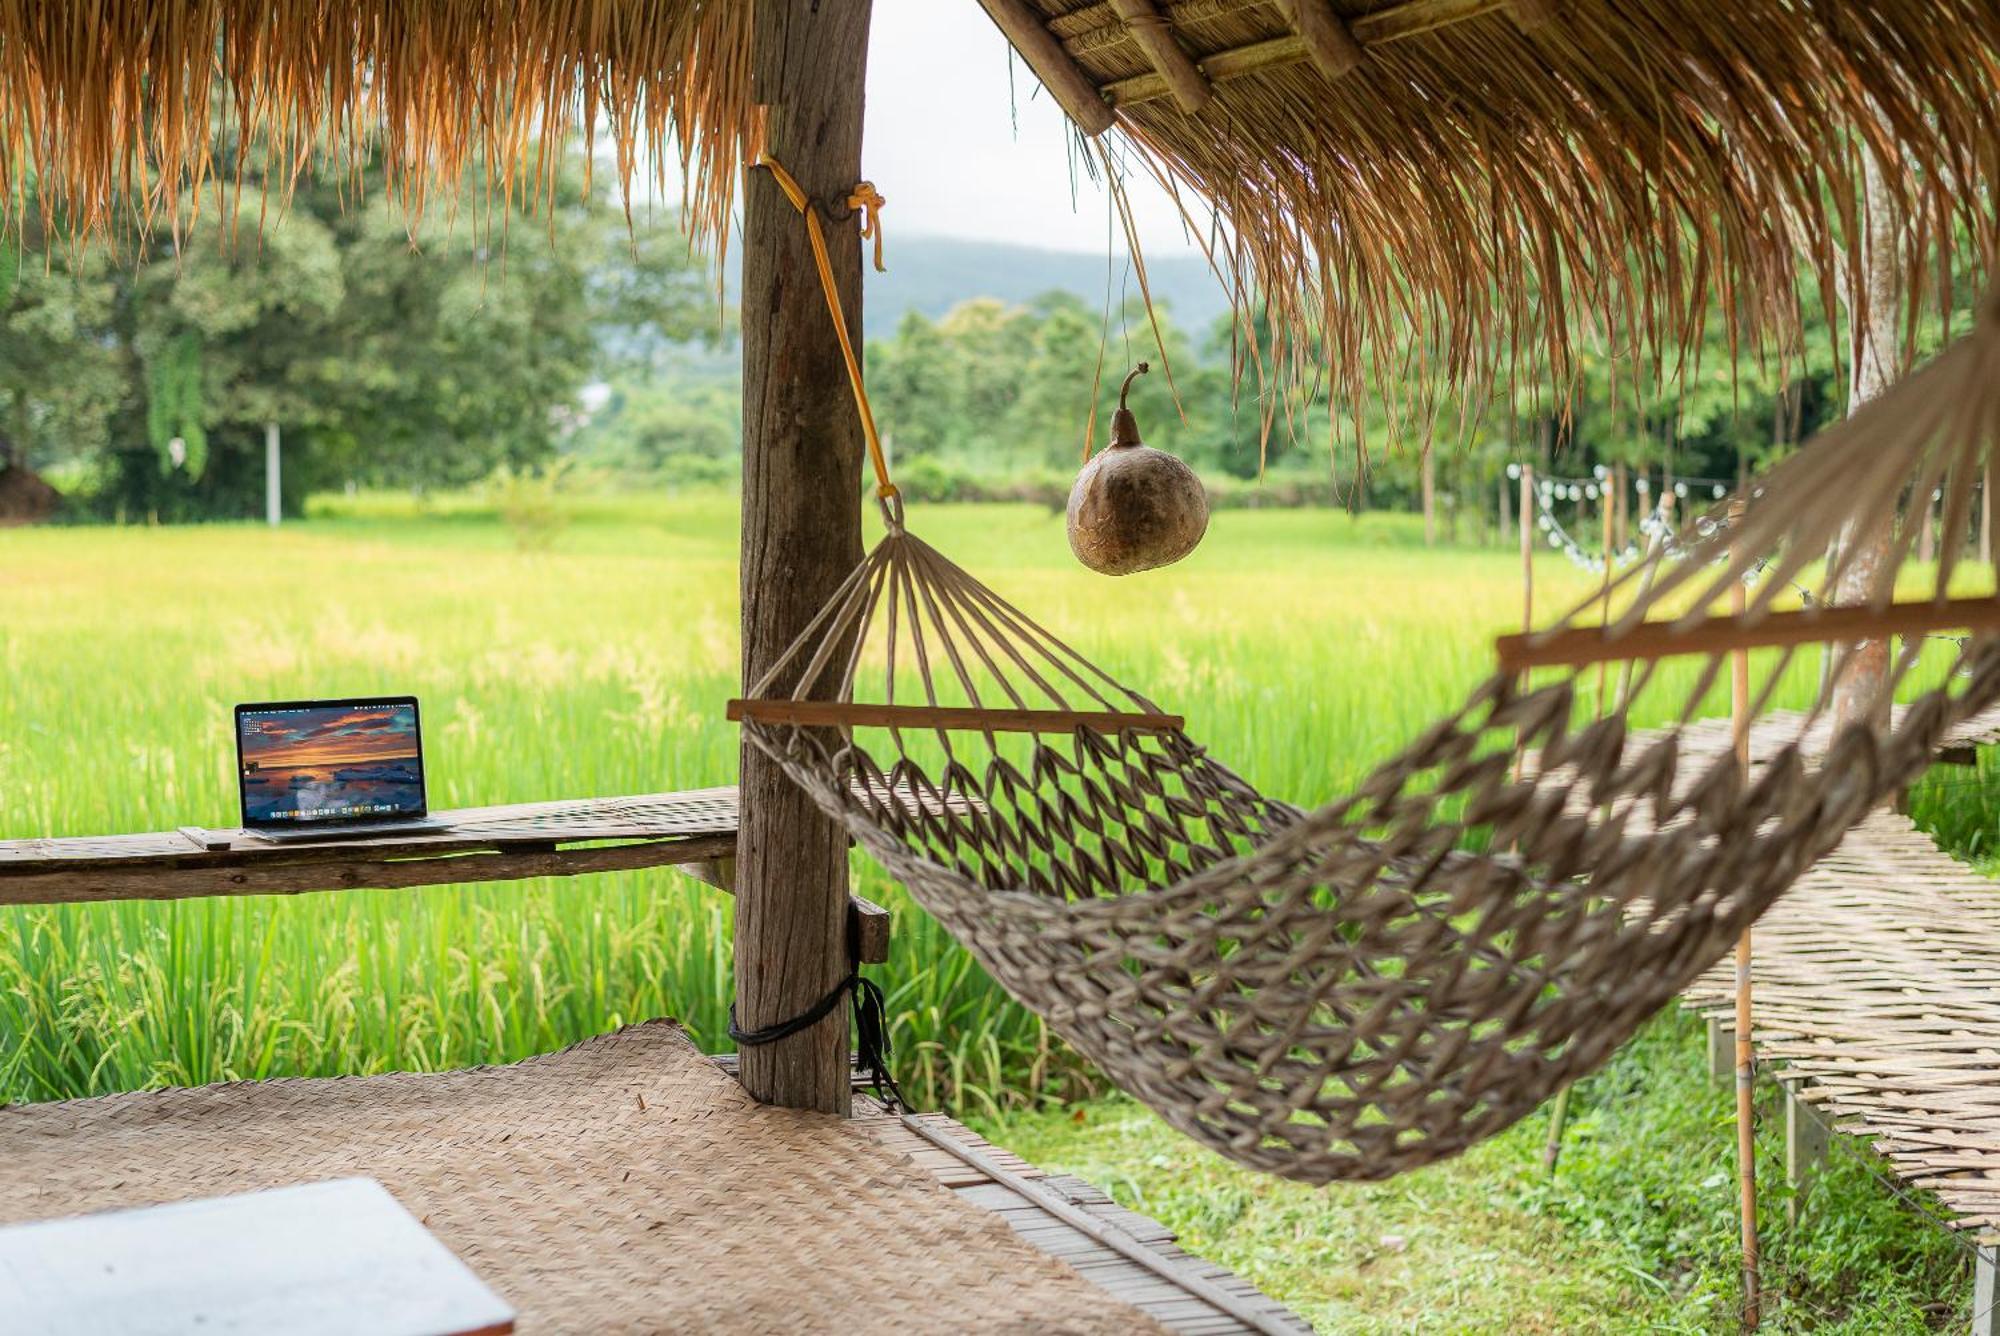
x=1150, y=30
x=1329, y=45
x=801, y=531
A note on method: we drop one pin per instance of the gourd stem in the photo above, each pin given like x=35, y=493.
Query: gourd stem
x=1131, y=376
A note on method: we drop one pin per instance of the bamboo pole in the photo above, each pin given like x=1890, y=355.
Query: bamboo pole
x=1746, y=1071
x=1986, y=518
x=1559, y=1114
x=1527, y=527
x=1622, y=480
x=1656, y=551
x=1427, y=483
x=1329, y=45
x=1150, y=33
x=1603, y=666
x=1581, y=646
x=1527, y=549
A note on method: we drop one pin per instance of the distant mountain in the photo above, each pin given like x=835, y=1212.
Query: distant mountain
x=934, y=274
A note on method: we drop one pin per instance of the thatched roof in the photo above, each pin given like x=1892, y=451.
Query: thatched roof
x=111, y=107
x=1477, y=182
x=1472, y=178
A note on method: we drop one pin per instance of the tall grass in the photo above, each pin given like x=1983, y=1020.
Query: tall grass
x=1306, y=643
x=1306, y=646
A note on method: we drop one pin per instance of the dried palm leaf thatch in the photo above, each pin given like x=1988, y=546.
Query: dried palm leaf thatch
x=117, y=107
x=1467, y=187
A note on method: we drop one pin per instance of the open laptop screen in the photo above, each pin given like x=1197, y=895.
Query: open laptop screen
x=302, y=762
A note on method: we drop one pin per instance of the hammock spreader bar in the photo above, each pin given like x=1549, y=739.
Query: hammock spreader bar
x=1585, y=645
x=850, y=714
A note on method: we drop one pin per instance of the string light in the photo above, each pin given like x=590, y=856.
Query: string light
x=1653, y=525
x=1559, y=537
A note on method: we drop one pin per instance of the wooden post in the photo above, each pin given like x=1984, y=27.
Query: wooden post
x=1986, y=1290
x=1721, y=1052
x=1527, y=518
x=1805, y=1149
x=1985, y=519
x=1609, y=517
x=1746, y=1070
x=1527, y=527
x=274, y=504
x=1623, y=529
x=801, y=529
x=1428, y=482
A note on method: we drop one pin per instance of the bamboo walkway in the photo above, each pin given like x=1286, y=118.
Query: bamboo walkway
x=1877, y=986
x=1131, y=1257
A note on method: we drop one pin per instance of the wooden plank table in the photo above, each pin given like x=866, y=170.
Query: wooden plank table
x=694, y=831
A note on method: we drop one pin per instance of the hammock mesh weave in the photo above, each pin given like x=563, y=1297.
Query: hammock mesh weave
x=1371, y=985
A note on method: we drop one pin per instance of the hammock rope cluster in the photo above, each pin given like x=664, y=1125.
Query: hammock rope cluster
x=1381, y=981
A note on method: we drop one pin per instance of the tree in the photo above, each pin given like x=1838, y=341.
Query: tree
x=389, y=357
x=61, y=381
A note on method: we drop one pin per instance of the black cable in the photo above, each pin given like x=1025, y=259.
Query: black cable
x=871, y=1032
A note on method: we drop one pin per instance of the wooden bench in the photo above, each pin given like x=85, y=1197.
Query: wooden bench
x=693, y=831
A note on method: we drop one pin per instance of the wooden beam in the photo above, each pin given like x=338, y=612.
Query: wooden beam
x=845, y=714
x=1411, y=19
x=187, y=879
x=706, y=858
x=1066, y=81
x=1329, y=45
x=801, y=529
x=868, y=923
x=1717, y=635
x=867, y=930
x=1532, y=14
x=1416, y=17
x=1152, y=34
x=1221, y=66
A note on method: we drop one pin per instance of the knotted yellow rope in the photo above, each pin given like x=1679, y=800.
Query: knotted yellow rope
x=866, y=201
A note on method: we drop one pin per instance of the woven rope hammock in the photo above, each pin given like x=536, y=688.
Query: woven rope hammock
x=1362, y=988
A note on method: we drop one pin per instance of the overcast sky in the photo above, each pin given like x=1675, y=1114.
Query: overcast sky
x=957, y=154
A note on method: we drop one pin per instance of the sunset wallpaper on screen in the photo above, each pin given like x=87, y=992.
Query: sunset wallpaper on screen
x=324, y=763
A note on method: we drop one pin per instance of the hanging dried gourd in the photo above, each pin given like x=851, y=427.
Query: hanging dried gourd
x=1132, y=507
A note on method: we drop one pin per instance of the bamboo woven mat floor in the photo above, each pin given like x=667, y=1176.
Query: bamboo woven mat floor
x=1876, y=983
x=623, y=1185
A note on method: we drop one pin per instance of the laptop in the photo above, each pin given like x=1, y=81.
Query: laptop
x=332, y=769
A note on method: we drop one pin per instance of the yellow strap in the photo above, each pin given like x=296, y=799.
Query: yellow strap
x=866, y=201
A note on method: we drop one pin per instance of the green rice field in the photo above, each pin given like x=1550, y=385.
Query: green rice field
x=1303, y=645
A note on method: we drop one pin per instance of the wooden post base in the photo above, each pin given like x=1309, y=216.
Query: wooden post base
x=1806, y=1137
x=1986, y=1291
x=1721, y=1053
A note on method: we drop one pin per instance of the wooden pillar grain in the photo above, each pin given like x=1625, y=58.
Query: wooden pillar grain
x=802, y=451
